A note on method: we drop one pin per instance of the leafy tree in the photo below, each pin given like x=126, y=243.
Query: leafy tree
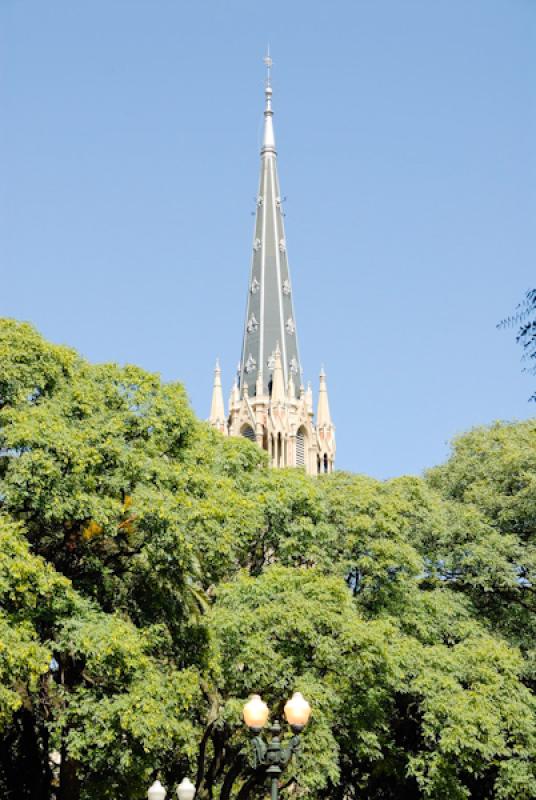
x=524, y=320
x=491, y=477
x=119, y=492
x=416, y=703
x=103, y=692
x=153, y=573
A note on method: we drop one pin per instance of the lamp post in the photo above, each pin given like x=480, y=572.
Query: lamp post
x=273, y=757
x=185, y=791
x=156, y=792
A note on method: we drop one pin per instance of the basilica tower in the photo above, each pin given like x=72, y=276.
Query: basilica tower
x=268, y=402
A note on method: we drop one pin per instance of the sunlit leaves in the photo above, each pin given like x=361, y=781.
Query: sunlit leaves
x=153, y=573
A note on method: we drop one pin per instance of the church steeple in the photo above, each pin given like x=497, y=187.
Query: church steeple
x=264, y=406
x=270, y=314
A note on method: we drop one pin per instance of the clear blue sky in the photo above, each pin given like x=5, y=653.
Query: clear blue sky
x=129, y=134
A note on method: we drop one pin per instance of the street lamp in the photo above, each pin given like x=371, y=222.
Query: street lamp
x=185, y=791
x=256, y=713
x=297, y=712
x=272, y=757
x=156, y=792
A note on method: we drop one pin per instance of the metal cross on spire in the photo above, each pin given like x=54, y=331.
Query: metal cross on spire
x=268, y=64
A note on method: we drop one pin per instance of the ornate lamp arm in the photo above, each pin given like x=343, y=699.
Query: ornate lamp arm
x=293, y=747
x=259, y=754
x=272, y=758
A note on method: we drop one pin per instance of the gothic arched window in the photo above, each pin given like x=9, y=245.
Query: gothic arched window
x=300, y=448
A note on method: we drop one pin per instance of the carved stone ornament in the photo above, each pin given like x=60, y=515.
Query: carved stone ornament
x=259, y=201
x=255, y=286
x=282, y=245
x=271, y=362
x=250, y=364
x=294, y=366
x=286, y=287
x=257, y=244
x=252, y=324
x=278, y=202
x=290, y=326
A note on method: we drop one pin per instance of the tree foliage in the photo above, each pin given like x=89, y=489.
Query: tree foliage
x=491, y=476
x=524, y=319
x=153, y=574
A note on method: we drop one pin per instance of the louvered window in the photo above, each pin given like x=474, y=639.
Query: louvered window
x=300, y=449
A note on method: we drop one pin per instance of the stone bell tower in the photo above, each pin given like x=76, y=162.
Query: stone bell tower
x=269, y=404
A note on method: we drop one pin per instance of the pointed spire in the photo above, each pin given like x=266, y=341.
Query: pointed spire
x=217, y=409
x=268, y=139
x=309, y=399
x=259, y=386
x=278, y=383
x=291, y=389
x=323, y=417
x=234, y=399
x=270, y=315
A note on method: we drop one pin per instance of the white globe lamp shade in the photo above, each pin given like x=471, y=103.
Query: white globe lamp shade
x=186, y=790
x=255, y=713
x=156, y=792
x=297, y=711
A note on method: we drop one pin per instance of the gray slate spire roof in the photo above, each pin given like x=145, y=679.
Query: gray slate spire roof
x=270, y=319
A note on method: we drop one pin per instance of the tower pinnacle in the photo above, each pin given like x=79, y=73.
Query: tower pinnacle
x=217, y=409
x=323, y=417
x=278, y=385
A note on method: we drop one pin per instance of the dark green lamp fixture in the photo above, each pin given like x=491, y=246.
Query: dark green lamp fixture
x=273, y=757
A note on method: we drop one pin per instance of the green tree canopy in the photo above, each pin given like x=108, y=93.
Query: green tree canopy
x=154, y=573
x=491, y=477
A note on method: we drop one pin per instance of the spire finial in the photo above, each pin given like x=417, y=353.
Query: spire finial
x=268, y=141
x=268, y=64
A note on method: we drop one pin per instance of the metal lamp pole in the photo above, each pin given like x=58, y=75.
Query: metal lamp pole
x=273, y=756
